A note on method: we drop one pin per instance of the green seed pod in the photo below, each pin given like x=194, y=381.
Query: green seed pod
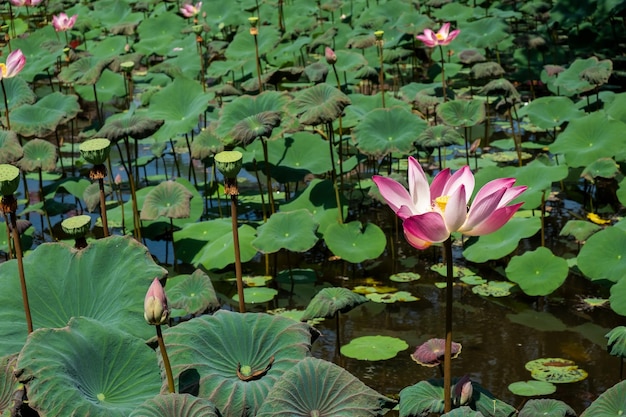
x=229, y=163
x=9, y=179
x=77, y=226
x=95, y=151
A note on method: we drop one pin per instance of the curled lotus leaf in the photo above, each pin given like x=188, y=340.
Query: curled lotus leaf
x=169, y=199
x=318, y=387
x=611, y=402
x=617, y=341
x=193, y=293
x=430, y=353
x=438, y=136
x=43, y=117
x=320, y=104
x=39, y=155
x=233, y=359
x=256, y=126
x=8, y=382
x=136, y=125
x=10, y=148
x=180, y=405
x=330, y=301
x=205, y=145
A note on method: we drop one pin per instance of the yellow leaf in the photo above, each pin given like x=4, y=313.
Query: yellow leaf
x=597, y=219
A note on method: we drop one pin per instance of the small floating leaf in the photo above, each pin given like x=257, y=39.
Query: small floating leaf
x=494, y=289
x=374, y=348
x=405, y=277
x=532, y=388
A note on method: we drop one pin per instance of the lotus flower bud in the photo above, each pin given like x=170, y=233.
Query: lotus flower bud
x=463, y=390
x=155, y=309
x=331, y=57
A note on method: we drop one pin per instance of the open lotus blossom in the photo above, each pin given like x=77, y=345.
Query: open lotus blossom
x=15, y=63
x=442, y=37
x=62, y=22
x=28, y=3
x=189, y=10
x=155, y=309
x=432, y=213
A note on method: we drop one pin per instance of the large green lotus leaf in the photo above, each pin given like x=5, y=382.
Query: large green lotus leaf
x=193, y=293
x=463, y=411
x=570, y=82
x=42, y=48
x=502, y=242
x=293, y=157
x=374, y=348
x=581, y=230
x=291, y=230
x=354, y=243
x=210, y=243
x=179, y=405
x=546, y=407
x=8, y=382
x=158, y=33
x=317, y=387
x=39, y=154
x=109, y=86
x=180, y=104
x=616, y=109
x=538, y=272
x=112, y=12
x=601, y=168
x=43, y=117
x=532, y=388
x=10, y=148
x=320, y=104
x=484, y=33
x=242, y=46
x=616, y=344
x=462, y=113
x=330, y=301
x=88, y=369
x=85, y=71
x=611, y=402
x=618, y=297
x=319, y=199
x=233, y=359
x=103, y=281
x=205, y=145
x=550, y=112
x=132, y=123
x=109, y=48
x=363, y=104
x=18, y=92
x=387, y=130
x=590, y=138
x=168, y=199
x=602, y=257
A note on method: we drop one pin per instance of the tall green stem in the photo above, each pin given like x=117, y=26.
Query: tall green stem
x=447, y=357
x=6, y=104
x=166, y=360
x=233, y=214
x=443, y=75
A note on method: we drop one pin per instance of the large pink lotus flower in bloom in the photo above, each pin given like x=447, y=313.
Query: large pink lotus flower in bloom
x=15, y=63
x=62, y=22
x=442, y=37
x=432, y=213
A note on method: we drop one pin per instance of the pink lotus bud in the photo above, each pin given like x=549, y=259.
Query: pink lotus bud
x=331, y=57
x=62, y=22
x=462, y=391
x=155, y=309
x=118, y=179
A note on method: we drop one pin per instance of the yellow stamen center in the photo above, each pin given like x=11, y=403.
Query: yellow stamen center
x=439, y=36
x=3, y=68
x=441, y=202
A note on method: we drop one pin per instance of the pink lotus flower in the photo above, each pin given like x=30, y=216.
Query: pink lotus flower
x=432, y=213
x=15, y=63
x=155, y=309
x=330, y=56
x=189, y=10
x=63, y=22
x=442, y=37
x=28, y=3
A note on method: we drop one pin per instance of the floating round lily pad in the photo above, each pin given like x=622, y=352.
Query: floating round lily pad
x=457, y=271
x=374, y=348
x=555, y=370
x=298, y=275
x=494, y=289
x=538, y=272
x=255, y=295
x=255, y=281
x=532, y=388
x=354, y=242
x=291, y=230
x=405, y=277
x=388, y=298
x=546, y=407
x=377, y=289
x=473, y=280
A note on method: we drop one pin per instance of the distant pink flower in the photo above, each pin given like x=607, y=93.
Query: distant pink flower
x=15, y=63
x=442, y=37
x=63, y=22
x=155, y=309
x=330, y=56
x=432, y=213
x=189, y=10
x=28, y=3
x=462, y=391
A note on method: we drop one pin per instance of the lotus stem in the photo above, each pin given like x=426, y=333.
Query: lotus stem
x=447, y=357
x=166, y=360
x=339, y=149
x=6, y=104
x=95, y=96
x=133, y=194
x=381, y=72
x=232, y=189
x=333, y=173
x=9, y=207
x=103, y=208
x=270, y=194
x=42, y=198
x=443, y=75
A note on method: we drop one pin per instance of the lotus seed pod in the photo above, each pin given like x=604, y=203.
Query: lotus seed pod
x=77, y=226
x=9, y=179
x=95, y=151
x=379, y=34
x=229, y=163
x=127, y=66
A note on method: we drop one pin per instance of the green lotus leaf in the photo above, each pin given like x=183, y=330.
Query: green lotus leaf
x=193, y=293
x=210, y=243
x=110, y=47
x=570, y=82
x=551, y=112
x=180, y=105
x=39, y=154
x=500, y=88
x=91, y=196
x=255, y=126
x=389, y=298
x=590, y=138
x=602, y=257
x=387, y=130
x=43, y=117
x=205, y=145
x=259, y=347
x=18, y=92
x=297, y=275
x=405, y=277
x=354, y=243
x=26, y=237
x=10, y=148
x=291, y=230
x=8, y=382
x=532, y=388
x=320, y=104
x=502, y=242
x=537, y=272
x=242, y=46
x=254, y=281
x=473, y=280
x=617, y=299
x=85, y=71
x=611, y=402
x=85, y=369
x=319, y=199
x=493, y=289
x=559, y=374
x=42, y=48
x=257, y=295
x=169, y=199
x=103, y=281
x=133, y=124
x=617, y=341
x=546, y=407
x=457, y=271
x=158, y=33
x=463, y=411
x=581, y=230
x=462, y=113
x=374, y=348
x=363, y=104
x=172, y=404
x=108, y=87
x=484, y=33
x=438, y=136
x=615, y=109
x=330, y=301
x=323, y=388
x=603, y=167
x=112, y=12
